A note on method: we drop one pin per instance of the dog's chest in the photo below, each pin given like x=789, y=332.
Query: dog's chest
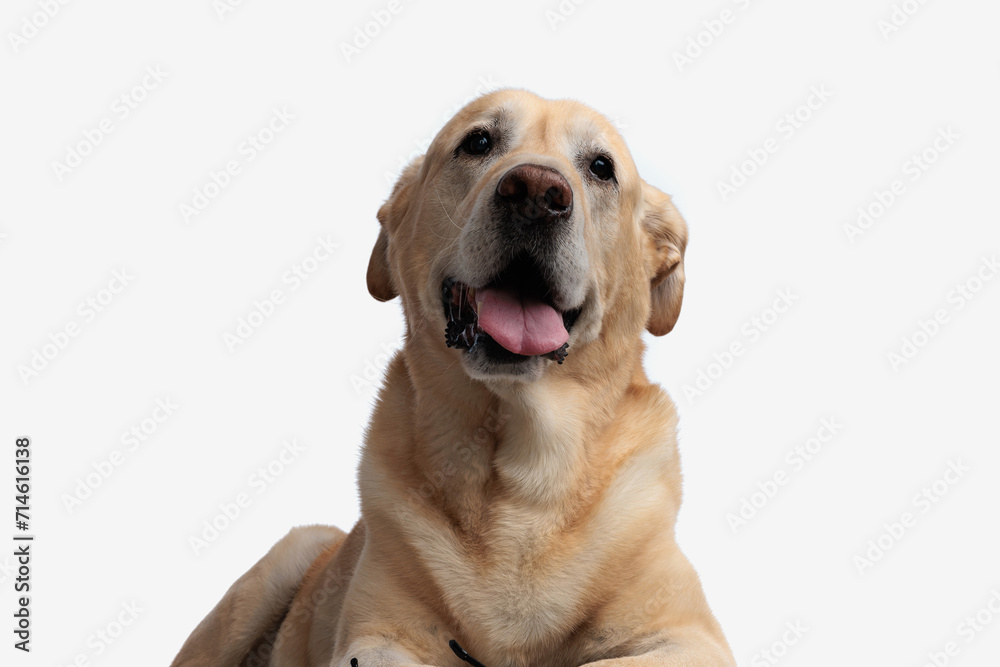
x=520, y=583
x=524, y=561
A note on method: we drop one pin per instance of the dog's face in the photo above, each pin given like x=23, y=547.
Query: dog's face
x=525, y=237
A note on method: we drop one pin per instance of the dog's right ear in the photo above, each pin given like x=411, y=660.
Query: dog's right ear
x=668, y=232
x=380, y=283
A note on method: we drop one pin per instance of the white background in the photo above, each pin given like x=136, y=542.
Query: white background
x=307, y=372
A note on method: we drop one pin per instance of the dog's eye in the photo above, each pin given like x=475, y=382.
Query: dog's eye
x=602, y=168
x=478, y=142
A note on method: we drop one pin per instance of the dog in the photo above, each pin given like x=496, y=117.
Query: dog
x=520, y=477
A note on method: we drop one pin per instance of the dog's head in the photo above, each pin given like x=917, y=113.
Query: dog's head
x=525, y=235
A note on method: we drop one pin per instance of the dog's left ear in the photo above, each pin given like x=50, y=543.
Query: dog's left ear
x=667, y=230
x=380, y=283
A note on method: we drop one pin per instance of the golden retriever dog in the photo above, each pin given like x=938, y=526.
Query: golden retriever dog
x=520, y=477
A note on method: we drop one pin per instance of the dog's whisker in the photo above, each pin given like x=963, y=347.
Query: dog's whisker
x=437, y=193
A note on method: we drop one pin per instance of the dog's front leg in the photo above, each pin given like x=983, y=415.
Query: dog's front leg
x=364, y=654
x=674, y=657
x=688, y=649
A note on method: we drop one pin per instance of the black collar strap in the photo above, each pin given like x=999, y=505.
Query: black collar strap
x=460, y=652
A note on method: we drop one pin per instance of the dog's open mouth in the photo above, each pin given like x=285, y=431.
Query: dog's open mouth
x=512, y=316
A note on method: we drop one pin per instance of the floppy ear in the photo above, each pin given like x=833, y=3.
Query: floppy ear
x=666, y=228
x=380, y=283
x=379, y=275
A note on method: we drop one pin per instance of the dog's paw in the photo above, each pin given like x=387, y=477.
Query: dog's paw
x=355, y=663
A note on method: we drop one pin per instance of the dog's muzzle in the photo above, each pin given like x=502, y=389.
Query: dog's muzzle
x=509, y=307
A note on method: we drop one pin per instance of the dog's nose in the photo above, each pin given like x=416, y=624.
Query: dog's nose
x=536, y=193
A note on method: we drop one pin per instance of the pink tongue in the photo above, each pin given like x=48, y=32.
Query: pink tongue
x=520, y=324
